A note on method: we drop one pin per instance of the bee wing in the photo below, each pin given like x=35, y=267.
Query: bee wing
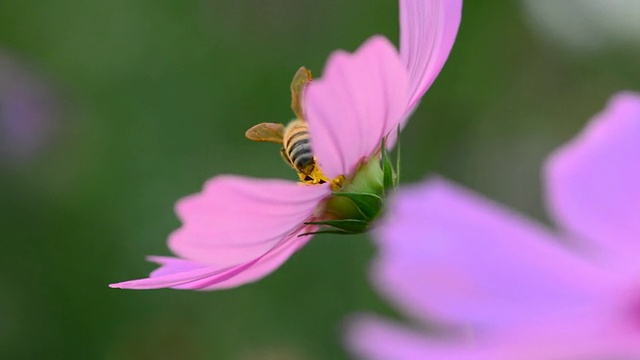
x=300, y=81
x=270, y=132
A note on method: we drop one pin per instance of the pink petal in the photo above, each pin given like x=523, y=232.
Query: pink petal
x=182, y=274
x=186, y=274
x=235, y=231
x=428, y=29
x=449, y=253
x=370, y=337
x=360, y=98
x=236, y=219
x=589, y=335
x=269, y=262
x=594, y=182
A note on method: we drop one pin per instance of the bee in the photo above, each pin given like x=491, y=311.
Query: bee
x=296, y=147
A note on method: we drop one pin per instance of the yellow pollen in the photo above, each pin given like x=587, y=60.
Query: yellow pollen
x=338, y=182
x=313, y=175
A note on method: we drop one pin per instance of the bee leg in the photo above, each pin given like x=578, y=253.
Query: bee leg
x=305, y=178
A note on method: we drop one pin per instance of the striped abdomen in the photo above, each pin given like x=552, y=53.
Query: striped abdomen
x=297, y=148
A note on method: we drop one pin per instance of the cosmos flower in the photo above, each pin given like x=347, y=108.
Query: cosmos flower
x=238, y=229
x=506, y=287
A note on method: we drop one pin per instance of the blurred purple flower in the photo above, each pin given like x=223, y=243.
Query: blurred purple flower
x=27, y=111
x=512, y=288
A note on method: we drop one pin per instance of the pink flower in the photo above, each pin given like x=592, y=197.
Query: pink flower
x=238, y=230
x=512, y=288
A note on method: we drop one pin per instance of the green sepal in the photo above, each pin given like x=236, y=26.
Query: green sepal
x=368, y=205
x=350, y=226
x=328, y=231
x=387, y=168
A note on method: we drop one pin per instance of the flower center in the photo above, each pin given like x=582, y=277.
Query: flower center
x=358, y=200
x=312, y=174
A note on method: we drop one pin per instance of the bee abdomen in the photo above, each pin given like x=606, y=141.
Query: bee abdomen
x=297, y=146
x=301, y=155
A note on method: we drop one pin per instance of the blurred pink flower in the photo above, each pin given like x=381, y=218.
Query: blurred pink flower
x=238, y=230
x=514, y=289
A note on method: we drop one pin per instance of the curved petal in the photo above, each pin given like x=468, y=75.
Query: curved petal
x=181, y=274
x=235, y=231
x=268, y=263
x=236, y=219
x=428, y=29
x=593, y=182
x=190, y=275
x=371, y=337
x=450, y=254
x=360, y=98
x=589, y=335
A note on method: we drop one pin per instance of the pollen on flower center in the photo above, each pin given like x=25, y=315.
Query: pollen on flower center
x=338, y=182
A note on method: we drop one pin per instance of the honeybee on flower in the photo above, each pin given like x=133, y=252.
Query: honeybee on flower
x=238, y=229
x=296, y=147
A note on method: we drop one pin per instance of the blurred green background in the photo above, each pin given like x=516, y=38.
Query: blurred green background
x=153, y=97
